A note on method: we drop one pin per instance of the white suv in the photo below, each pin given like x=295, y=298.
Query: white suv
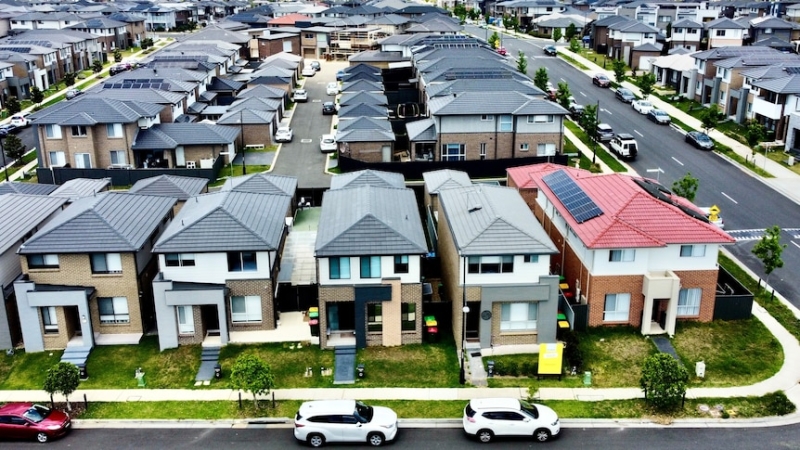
x=486, y=418
x=324, y=421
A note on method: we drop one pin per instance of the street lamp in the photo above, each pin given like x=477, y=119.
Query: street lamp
x=3, y=151
x=244, y=150
x=463, y=375
x=594, y=133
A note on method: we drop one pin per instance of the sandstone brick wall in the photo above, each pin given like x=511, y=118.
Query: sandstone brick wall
x=330, y=294
x=96, y=143
x=368, y=151
x=55, y=341
x=412, y=293
x=262, y=288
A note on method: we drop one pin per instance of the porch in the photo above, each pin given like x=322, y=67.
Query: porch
x=292, y=327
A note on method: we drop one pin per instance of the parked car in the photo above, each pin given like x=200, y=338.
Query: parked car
x=642, y=106
x=712, y=214
x=601, y=80
x=20, y=120
x=625, y=146
x=328, y=108
x=72, y=93
x=315, y=65
x=700, y=140
x=550, y=50
x=119, y=68
x=625, y=95
x=487, y=418
x=300, y=95
x=308, y=71
x=502, y=51
x=604, y=132
x=576, y=110
x=659, y=116
x=7, y=128
x=327, y=143
x=322, y=421
x=284, y=134
x=340, y=75
x=29, y=421
x=332, y=88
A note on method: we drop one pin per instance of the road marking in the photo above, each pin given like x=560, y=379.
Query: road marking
x=306, y=141
x=563, y=80
x=746, y=235
x=640, y=134
x=676, y=160
x=316, y=100
x=729, y=197
x=606, y=111
x=795, y=244
x=795, y=232
x=582, y=94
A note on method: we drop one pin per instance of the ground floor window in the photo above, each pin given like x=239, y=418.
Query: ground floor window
x=518, y=316
x=185, y=320
x=617, y=307
x=374, y=317
x=454, y=152
x=113, y=310
x=50, y=320
x=409, y=316
x=245, y=308
x=689, y=302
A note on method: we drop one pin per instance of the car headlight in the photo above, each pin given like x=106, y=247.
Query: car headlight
x=554, y=423
x=54, y=427
x=388, y=425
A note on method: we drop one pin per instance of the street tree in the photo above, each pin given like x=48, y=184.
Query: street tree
x=13, y=105
x=522, y=62
x=769, y=250
x=69, y=78
x=571, y=31
x=252, y=374
x=686, y=187
x=540, y=78
x=460, y=11
x=574, y=45
x=557, y=35
x=37, y=96
x=97, y=66
x=473, y=14
x=711, y=117
x=588, y=120
x=62, y=378
x=618, y=66
x=14, y=147
x=755, y=133
x=117, y=55
x=563, y=94
x=646, y=84
x=663, y=381
x=493, y=39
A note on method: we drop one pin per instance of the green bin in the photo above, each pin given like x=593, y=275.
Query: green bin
x=587, y=378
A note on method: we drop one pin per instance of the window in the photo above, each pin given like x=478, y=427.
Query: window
x=185, y=320
x=483, y=150
x=52, y=131
x=616, y=307
x=57, y=159
x=767, y=30
x=242, y=262
x=114, y=130
x=720, y=33
x=408, y=316
x=524, y=147
x=370, y=267
x=506, y=123
x=487, y=117
x=545, y=149
x=689, y=302
x=531, y=258
x=454, y=152
x=43, y=261
x=83, y=161
x=118, y=157
x=106, y=263
x=339, y=268
x=518, y=316
x=693, y=250
x=179, y=259
x=621, y=255
x=79, y=130
x=308, y=35
x=113, y=310
x=490, y=264
x=401, y=264
x=50, y=320
x=245, y=308
x=692, y=31
x=374, y=317
x=541, y=119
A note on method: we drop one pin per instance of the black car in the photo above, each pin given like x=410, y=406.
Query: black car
x=328, y=108
x=625, y=95
x=550, y=50
x=700, y=140
x=576, y=110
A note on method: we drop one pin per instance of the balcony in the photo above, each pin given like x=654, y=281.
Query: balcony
x=767, y=109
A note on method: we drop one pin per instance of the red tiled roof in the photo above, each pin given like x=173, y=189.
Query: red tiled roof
x=631, y=216
x=288, y=19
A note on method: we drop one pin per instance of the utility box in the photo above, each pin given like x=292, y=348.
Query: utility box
x=587, y=378
x=700, y=369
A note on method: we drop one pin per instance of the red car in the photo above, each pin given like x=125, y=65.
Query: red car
x=502, y=51
x=27, y=420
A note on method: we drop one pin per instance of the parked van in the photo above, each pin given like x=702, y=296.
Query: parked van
x=624, y=145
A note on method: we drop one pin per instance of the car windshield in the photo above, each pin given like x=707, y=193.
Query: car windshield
x=37, y=413
x=364, y=412
x=702, y=137
x=644, y=104
x=529, y=408
x=328, y=140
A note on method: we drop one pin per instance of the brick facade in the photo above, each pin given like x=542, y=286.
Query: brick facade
x=262, y=288
x=366, y=151
x=199, y=330
x=269, y=47
x=505, y=145
x=96, y=143
x=509, y=337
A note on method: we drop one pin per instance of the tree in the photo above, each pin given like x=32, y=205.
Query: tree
x=711, y=117
x=540, y=78
x=493, y=39
x=563, y=94
x=37, y=96
x=557, y=34
x=117, y=55
x=460, y=11
x=250, y=373
x=618, y=66
x=574, y=45
x=663, y=381
x=473, y=14
x=646, y=84
x=522, y=62
x=755, y=133
x=13, y=106
x=69, y=78
x=769, y=250
x=14, y=147
x=97, y=66
x=686, y=187
x=62, y=378
x=572, y=30
x=588, y=120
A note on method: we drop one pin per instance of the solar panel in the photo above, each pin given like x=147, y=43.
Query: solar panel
x=578, y=204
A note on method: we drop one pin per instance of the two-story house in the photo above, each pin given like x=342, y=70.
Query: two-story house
x=88, y=272
x=111, y=34
x=686, y=33
x=134, y=27
x=771, y=27
x=631, y=40
x=633, y=252
x=724, y=32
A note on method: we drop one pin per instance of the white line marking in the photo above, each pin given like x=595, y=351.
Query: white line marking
x=729, y=197
x=582, y=94
x=606, y=111
x=795, y=244
x=563, y=80
x=676, y=160
x=306, y=141
x=640, y=134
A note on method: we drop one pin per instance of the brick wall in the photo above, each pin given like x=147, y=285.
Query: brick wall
x=331, y=294
x=600, y=286
x=262, y=288
x=368, y=151
x=412, y=293
x=257, y=134
x=508, y=337
x=268, y=47
x=96, y=143
x=707, y=281
x=503, y=145
x=55, y=341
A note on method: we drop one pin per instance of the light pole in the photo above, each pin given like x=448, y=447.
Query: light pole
x=462, y=377
x=244, y=150
x=3, y=151
x=594, y=133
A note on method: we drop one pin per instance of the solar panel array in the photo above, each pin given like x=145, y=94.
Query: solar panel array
x=792, y=70
x=17, y=49
x=578, y=204
x=454, y=74
x=144, y=83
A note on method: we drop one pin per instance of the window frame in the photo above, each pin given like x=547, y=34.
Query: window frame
x=454, y=152
x=49, y=319
x=247, y=316
x=79, y=131
x=610, y=315
x=83, y=160
x=401, y=264
x=337, y=262
x=510, y=310
x=483, y=264
x=692, y=251
x=237, y=262
x=623, y=255
x=53, y=131
x=105, y=263
x=44, y=264
x=505, y=123
x=375, y=317
x=60, y=159
x=112, y=129
x=689, y=296
x=121, y=157
x=179, y=260
x=368, y=265
x=185, y=324
x=408, y=317
x=117, y=317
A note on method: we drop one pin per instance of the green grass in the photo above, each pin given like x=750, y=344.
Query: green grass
x=27, y=370
x=237, y=171
x=573, y=61
x=601, y=153
x=288, y=365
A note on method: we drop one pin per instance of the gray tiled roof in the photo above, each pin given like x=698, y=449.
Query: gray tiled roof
x=723, y=23
x=256, y=103
x=370, y=220
x=20, y=214
x=214, y=33
x=99, y=23
x=262, y=91
x=94, y=110
x=370, y=98
x=364, y=123
x=17, y=187
x=438, y=180
x=171, y=135
x=477, y=85
x=247, y=117
x=363, y=110
x=227, y=221
x=81, y=187
x=148, y=95
x=362, y=85
x=786, y=85
x=686, y=23
x=173, y=186
x=349, y=77
x=262, y=183
x=466, y=103
x=435, y=25
x=364, y=136
x=368, y=177
x=492, y=220
x=421, y=130
x=107, y=222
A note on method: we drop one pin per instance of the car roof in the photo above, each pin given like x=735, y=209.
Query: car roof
x=625, y=136
x=490, y=403
x=15, y=408
x=318, y=407
x=604, y=126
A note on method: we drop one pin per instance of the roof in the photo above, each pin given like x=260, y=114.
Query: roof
x=438, y=180
x=421, y=130
x=789, y=84
x=262, y=183
x=363, y=109
x=80, y=187
x=17, y=187
x=364, y=123
x=172, y=186
x=368, y=177
x=21, y=214
x=364, y=135
x=371, y=98
x=724, y=23
x=171, y=135
x=362, y=85
x=90, y=110
x=107, y=222
x=686, y=23
x=262, y=91
x=227, y=221
x=492, y=220
x=370, y=220
x=466, y=103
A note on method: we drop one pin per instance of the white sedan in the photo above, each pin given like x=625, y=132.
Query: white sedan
x=332, y=88
x=284, y=134
x=327, y=143
x=309, y=71
x=642, y=106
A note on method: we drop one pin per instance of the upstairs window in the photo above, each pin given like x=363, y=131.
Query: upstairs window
x=106, y=263
x=242, y=262
x=43, y=261
x=179, y=259
x=490, y=264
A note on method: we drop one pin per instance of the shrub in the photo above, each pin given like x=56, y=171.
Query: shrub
x=572, y=350
x=778, y=404
x=528, y=368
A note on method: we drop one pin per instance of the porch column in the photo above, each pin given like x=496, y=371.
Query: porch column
x=647, y=311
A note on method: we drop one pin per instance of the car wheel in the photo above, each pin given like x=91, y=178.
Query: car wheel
x=541, y=435
x=485, y=436
x=42, y=437
x=375, y=439
x=315, y=440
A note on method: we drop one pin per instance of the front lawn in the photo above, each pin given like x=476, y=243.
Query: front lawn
x=27, y=370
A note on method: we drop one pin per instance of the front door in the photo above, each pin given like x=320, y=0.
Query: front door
x=341, y=316
x=473, y=320
x=210, y=318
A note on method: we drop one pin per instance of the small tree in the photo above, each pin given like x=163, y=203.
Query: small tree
x=557, y=35
x=540, y=78
x=574, y=45
x=37, y=96
x=473, y=14
x=97, y=66
x=663, y=381
x=769, y=250
x=522, y=62
x=13, y=106
x=618, y=66
x=251, y=374
x=117, y=55
x=493, y=39
x=563, y=94
x=14, y=147
x=69, y=78
x=62, y=378
x=588, y=120
x=711, y=117
x=686, y=187
x=755, y=133
x=460, y=11
x=571, y=31
x=646, y=84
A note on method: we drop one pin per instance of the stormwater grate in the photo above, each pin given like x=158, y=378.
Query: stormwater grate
x=475, y=354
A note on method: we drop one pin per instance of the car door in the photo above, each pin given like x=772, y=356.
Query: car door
x=515, y=423
x=19, y=428
x=352, y=429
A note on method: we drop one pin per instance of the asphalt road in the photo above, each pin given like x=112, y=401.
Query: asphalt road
x=416, y=439
x=747, y=204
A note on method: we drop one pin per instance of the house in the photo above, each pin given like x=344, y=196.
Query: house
x=631, y=251
x=220, y=287
x=439, y=180
x=188, y=145
x=78, y=188
x=773, y=98
x=368, y=249
x=88, y=272
x=495, y=261
x=111, y=34
x=171, y=186
x=772, y=27
x=705, y=82
x=626, y=37
x=686, y=33
x=724, y=32
x=365, y=138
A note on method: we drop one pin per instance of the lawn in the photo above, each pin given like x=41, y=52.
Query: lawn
x=288, y=364
x=27, y=370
